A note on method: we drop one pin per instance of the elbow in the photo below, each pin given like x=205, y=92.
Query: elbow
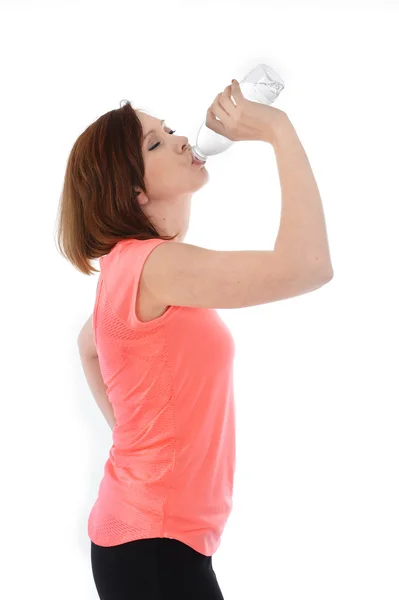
x=318, y=277
x=323, y=272
x=327, y=275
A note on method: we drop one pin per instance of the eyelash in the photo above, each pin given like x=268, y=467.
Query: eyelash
x=160, y=142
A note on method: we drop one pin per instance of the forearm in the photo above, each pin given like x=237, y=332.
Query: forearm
x=302, y=235
x=91, y=368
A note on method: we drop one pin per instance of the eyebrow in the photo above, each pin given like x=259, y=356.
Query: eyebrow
x=152, y=130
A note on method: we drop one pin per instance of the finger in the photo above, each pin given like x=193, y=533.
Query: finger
x=235, y=86
x=219, y=111
x=226, y=101
x=213, y=123
x=218, y=106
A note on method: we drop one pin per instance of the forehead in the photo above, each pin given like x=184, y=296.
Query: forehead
x=148, y=121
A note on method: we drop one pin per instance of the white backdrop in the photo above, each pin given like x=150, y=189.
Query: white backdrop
x=315, y=512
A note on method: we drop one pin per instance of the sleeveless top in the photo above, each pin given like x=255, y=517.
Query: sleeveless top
x=171, y=466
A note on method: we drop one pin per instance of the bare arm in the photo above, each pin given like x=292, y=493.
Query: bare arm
x=91, y=368
x=86, y=341
x=302, y=235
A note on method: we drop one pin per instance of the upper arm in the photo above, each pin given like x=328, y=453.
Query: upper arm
x=182, y=274
x=86, y=339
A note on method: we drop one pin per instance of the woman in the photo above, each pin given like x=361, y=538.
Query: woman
x=165, y=356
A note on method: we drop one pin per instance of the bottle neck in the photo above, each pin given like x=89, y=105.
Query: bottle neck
x=198, y=154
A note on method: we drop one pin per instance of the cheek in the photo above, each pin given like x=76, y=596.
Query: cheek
x=171, y=172
x=168, y=174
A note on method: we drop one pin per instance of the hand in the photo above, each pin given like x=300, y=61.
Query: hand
x=244, y=120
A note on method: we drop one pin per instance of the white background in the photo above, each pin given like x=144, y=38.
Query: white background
x=315, y=512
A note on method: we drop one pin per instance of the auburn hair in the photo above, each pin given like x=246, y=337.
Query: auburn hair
x=98, y=205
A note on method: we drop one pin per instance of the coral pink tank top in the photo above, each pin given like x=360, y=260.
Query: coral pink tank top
x=171, y=466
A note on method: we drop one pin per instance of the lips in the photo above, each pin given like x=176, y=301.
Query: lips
x=196, y=161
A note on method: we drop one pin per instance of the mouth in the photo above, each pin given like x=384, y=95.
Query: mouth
x=194, y=161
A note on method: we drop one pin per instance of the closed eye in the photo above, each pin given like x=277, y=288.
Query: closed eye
x=152, y=148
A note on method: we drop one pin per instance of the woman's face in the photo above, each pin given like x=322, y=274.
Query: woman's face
x=170, y=176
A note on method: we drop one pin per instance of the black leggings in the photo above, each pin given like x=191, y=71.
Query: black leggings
x=153, y=569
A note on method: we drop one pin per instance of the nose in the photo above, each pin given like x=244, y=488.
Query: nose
x=186, y=147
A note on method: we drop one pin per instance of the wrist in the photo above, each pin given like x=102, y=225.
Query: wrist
x=281, y=128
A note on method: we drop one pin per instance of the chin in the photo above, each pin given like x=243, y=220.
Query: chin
x=203, y=176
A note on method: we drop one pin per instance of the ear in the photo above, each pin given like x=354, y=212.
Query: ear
x=142, y=198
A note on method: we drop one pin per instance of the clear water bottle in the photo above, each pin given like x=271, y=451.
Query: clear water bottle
x=262, y=85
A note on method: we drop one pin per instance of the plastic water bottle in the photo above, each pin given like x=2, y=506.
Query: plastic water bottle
x=262, y=85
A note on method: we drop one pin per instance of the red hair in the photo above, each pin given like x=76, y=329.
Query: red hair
x=98, y=205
